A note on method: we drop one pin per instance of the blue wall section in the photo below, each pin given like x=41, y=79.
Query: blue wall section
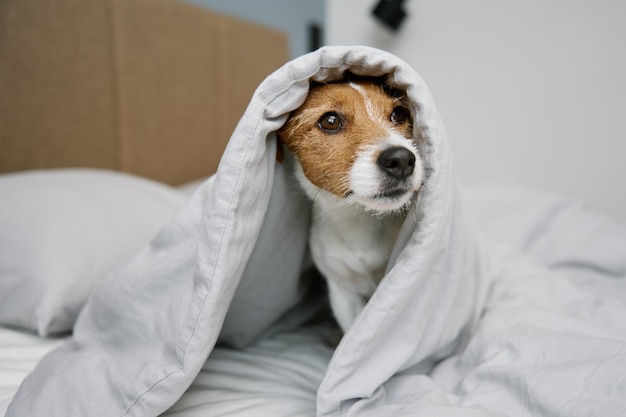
x=290, y=16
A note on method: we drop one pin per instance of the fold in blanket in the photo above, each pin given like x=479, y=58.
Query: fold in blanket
x=231, y=265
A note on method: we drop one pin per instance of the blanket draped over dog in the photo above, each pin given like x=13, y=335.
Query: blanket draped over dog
x=230, y=267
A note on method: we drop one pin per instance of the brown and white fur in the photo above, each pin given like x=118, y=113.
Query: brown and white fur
x=357, y=160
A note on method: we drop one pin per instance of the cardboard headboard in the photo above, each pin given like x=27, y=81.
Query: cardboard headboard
x=150, y=87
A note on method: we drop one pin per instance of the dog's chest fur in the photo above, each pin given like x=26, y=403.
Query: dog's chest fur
x=370, y=240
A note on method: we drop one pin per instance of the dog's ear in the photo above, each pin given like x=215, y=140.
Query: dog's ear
x=280, y=152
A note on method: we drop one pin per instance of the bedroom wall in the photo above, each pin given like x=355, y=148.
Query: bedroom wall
x=530, y=92
x=289, y=16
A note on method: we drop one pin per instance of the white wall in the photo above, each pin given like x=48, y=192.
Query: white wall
x=531, y=91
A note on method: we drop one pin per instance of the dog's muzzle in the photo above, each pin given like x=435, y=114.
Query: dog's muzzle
x=397, y=162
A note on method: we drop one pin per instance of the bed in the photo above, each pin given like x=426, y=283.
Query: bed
x=280, y=375
x=188, y=293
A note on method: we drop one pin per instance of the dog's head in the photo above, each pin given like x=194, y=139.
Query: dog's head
x=354, y=140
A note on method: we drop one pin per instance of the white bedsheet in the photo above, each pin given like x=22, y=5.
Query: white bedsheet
x=19, y=354
x=278, y=376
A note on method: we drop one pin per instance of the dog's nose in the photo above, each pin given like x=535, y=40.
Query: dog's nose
x=397, y=162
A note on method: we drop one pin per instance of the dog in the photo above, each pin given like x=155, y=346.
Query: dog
x=356, y=158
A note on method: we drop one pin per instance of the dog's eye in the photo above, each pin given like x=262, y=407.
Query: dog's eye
x=330, y=122
x=400, y=115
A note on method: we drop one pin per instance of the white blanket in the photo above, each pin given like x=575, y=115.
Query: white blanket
x=458, y=327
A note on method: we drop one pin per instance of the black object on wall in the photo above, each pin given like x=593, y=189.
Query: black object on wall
x=390, y=13
x=315, y=36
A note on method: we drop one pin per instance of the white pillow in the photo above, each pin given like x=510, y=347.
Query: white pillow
x=62, y=231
